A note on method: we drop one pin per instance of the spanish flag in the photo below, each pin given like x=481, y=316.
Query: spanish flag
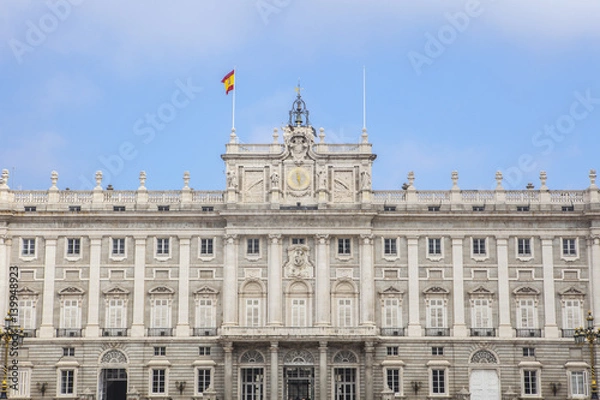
x=228, y=81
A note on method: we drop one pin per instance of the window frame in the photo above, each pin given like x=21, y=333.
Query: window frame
x=390, y=248
x=569, y=248
x=437, y=244
x=520, y=250
x=31, y=248
x=119, y=256
x=253, y=248
x=164, y=378
x=479, y=248
x=211, y=372
x=344, y=247
x=534, y=385
x=206, y=248
x=386, y=377
x=441, y=371
x=73, y=248
x=162, y=248
x=61, y=389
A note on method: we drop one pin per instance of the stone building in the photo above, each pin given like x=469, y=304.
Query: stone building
x=298, y=281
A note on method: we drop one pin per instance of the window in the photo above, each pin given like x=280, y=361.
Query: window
x=436, y=314
x=434, y=246
x=344, y=246
x=206, y=247
x=118, y=247
x=528, y=351
x=27, y=313
x=389, y=208
x=253, y=312
x=23, y=385
x=162, y=246
x=253, y=246
x=207, y=208
x=438, y=381
x=530, y=383
x=299, y=312
x=523, y=247
x=298, y=241
x=68, y=351
x=391, y=313
x=578, y=384
x=252, y=383
x=393, y=379
x=437, y=351
x=73, y=247
x=75, y=208
x=526, y=314
x=204, y=351
x=160, y=351
x=572, y=317
x=30, y=208
x=522, y=208
x=159, y=378
x=568, y=208
x=392, y=350
x=70, y=318
x=481, y=313
x=345, y=384
x=344, y=312
x=28, y=247
x=161, y=313
x=116, y=313
x=164, y=208
x=206, y=314
x=67, y=381
x=478, y=208
x=203, y=379
x=569, y=247
x=479, y=247
x=119, y=208
x=433, y=208
x=390, y=247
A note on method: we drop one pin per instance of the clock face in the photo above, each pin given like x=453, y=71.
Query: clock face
x=298, y=179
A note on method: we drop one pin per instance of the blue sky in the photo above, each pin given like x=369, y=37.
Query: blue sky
x=472, y=86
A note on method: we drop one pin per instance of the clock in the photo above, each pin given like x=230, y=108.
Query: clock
x=298, y=179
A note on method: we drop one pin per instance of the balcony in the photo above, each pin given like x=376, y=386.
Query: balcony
x=391, y=331
x=71, y=332
x=205, y=332
x=114, y=332
x=300, y=333
x=437, y=331
x=160, y=331
x=569, y=333
x=529, y=333
x=483, y=332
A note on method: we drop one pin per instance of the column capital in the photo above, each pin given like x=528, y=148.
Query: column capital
x=323, y=345
x=140, y=238
x=51, y=240
x=595, y=240
x=230, y=238
x=369, y=347
x=367, y=238
x=457, y=240
x=547, y=240
x=228, y=347
x=184, y=237
x=274, y=237
x=95, y=239
x=274, y=346
x=502, y=240
x=322, y=238
x=413, y=240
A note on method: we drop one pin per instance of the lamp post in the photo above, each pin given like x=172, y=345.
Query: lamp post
x=588, y=334
x=8, y=334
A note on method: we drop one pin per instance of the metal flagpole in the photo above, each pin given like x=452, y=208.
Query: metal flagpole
x=233, y=99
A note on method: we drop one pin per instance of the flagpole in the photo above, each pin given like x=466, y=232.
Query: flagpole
x=233, y=100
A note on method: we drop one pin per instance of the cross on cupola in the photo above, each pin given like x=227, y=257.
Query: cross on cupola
x=299, y=113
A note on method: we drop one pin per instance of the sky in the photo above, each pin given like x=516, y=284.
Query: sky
x=473, y=86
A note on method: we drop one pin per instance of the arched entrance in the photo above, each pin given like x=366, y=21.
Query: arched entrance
x=484, y=382
x=299, y=375
x=112, y=383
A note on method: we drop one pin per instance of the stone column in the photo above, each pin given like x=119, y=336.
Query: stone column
x=369, y=370
x=183, y=320
x=47, y=327
x=504, y=327
x=550, y=327
x=595, y=279
x=367, y=282
x=323, y=283
x=228, y=391
x=460, y=328
x=4, y=267
x=139, y=287
x=92, y=329
x=275, y=289
x=230, y=271
x=414, y=321
x=323, y=371
x=274, y=371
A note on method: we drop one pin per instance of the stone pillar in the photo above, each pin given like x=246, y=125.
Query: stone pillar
x=414, y=319
x=595, y=279
x=323, y=392
x=47, y=327
x=504, y=327
x=367, y=282
x=4, y=267
x=230, y=292
x=275, y=289
x=323, y=283
x=274, y=371
x=460, y=328
x=369, y=349
x=183, y=320
x=139, y=287
x=93, y=328
x=228, y=391
x=550, y=327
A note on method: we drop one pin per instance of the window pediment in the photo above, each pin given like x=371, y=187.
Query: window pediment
x=481, y=292
x=391, y=291
x=26, y=291
x=161, y=290
x=572, y=292
x=436, y=290
x=116, y=290
x=206, y=291
x=526, y=291
x=71, y=291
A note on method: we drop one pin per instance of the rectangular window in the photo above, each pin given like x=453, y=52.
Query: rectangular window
x=118, y=247
x=437, y=351
x=572, y=314
x=438, y=381
x=298, y=241
x=203, y=379
x=437, y=318
x=204, y=351
x=253, y=246
x=433, y=208
x=526, y=311
x=391, y=313
x=73, y=247
x=479, y=246
x=253, y=312
x=28, y=248
x=434, y=246
x=478, y=208
x=344, y=312
x=299, y=312
x=528, y=351
x=164, y=208
x=159, y=378
x=160, y=351
x=116, y=314
x=70, y=316
x=30, y=208
x=206, y=314
x=206, y=247
x=161, y=314
x=67, y=381
x=26, y=316
x=119, y=208
x=390, y=247
x=569, y=247
x=481, y=313
x=568, y=208
x=522, y=208
x=345, y=384
x=530, y=384
x=162, y=246
x=524, y=247
x=578, y=381
x=344, y=246
x=208, y=208
x=252, y=383
x=74, y=208
x=23, y=385
x=392, y=350
x=393, y=379
x=68, y=351
x=389, y=208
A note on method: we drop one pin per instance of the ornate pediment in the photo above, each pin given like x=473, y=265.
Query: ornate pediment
x=481, y=291
x=71, y=291
x=206, y=291
x=391, y=291
x=26, y=291
x=116, y=290
x=526, y=291
x=572, y=292
x=161, y=290
x=298, y=264
x=436, y=290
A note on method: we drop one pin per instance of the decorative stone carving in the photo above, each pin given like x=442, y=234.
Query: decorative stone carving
x=484, y=357
x=253, y=187
x=345, y=357
x=113, y=357
x=232, y=180
x=252, y=357
x=343, y=187
x=298, y=357
x=298, y=264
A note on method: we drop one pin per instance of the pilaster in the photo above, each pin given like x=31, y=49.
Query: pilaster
x=183, y=323
x=550, y=327
x=92, y=328
x=47, y=326
x=230, y=292
x=367, y=282
x=274, y=350
x=139, y=289
x=595, y=278
x=323, y=392
x=460, y=328
x=323, y=298
x=275, y=289
x=228, y=373
x=504, y=328
x=414, y=319
x=369, y=350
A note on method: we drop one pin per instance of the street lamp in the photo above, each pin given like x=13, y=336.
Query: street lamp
x=9, y=333
x=588, y=334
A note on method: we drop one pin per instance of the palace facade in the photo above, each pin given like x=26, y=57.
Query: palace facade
x=299, y=281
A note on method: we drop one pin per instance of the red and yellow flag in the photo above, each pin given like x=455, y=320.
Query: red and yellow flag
x=228, y=81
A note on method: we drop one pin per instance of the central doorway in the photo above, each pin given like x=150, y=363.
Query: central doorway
x=299, y=383
x=484, y=384
x=113, y=384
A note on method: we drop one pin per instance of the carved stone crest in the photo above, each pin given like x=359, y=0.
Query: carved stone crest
x=298, y=264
